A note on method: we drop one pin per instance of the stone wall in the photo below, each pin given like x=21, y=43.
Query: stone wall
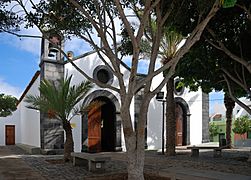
x=51, y=130
x=205, y=118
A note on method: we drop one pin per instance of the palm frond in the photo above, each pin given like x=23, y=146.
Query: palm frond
x=59, y=97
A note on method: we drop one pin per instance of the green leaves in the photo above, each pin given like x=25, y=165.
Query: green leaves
x=204, y=64
x=59, y=97
x=9, y=21
x=213, y=129
x=7, y=105
x=126, y=47
x=228, y=3
x=242, y=125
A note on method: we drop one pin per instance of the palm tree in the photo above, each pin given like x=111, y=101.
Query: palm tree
x=169, y=47
x=61, y=102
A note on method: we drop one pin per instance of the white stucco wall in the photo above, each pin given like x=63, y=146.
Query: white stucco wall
x=194, y=101
x=154, y=129
x=10, y=120
x=30, y=120
x=238, y=111
x=77, y=132
x=154, y=125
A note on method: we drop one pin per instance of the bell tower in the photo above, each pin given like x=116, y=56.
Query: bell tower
x=52, y=69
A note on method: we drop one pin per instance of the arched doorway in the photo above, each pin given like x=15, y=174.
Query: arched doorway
x=182, y=114
x=101, y=126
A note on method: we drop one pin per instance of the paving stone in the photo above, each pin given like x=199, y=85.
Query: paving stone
x=231, y=162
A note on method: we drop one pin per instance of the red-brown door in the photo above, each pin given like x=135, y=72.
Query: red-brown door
x=10, y=134
x=94, y=129
x=179, y=125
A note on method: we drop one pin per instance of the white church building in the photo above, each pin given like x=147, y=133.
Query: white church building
x=30, y=127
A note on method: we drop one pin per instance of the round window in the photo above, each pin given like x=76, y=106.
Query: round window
x=103, y=74
x=178, y=88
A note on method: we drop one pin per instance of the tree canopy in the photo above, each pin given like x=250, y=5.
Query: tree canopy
x=242, y=125
x=220, y=59
x=9, y=20
x=7, y=105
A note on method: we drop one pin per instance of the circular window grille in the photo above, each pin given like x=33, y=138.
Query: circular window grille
x=178, y=90
x=103, y=74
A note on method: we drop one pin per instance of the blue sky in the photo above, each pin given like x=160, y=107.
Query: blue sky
x=20, y=60
x=18, y=63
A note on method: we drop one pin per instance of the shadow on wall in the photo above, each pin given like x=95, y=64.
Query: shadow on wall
x=154, y=125
x=192, y=100
x=153, y=140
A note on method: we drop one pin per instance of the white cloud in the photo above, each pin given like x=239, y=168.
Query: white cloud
x=32, y=45
x=218, y=108
x=216, y=103
x=28, y=44
x=78, y=46
x=9, y=89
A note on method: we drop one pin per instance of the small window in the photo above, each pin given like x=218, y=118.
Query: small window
x=103, y=74
x=178, y=89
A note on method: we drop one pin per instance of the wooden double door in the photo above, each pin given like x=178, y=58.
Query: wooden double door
x=101, y=127
x=10, y=134
x=179, y=125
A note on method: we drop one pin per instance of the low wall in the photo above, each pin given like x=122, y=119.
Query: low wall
x=242, y=143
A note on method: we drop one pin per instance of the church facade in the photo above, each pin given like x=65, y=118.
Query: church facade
x=27, y=126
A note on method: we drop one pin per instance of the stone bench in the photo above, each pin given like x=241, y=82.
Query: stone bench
x=29, y=149
x=217, y=151
x=195, y=150
x=95, y=162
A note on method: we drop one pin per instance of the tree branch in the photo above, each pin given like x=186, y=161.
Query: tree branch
x=223, y=48
x=244, y=106
x=240, y=83
x=243, y=7
x=21, y=35
x=191, y=40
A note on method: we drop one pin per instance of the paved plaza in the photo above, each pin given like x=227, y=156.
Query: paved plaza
x=16, y=164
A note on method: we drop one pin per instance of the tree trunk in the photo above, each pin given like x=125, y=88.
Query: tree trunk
x=170, y=119
x=135, y=142
x=229, y=104
x=68, y=146
x=135, y=168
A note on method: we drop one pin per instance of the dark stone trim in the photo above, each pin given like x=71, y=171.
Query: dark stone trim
x=205, y=118
x=51, y=61
x=107, y=69
x=178, y=93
